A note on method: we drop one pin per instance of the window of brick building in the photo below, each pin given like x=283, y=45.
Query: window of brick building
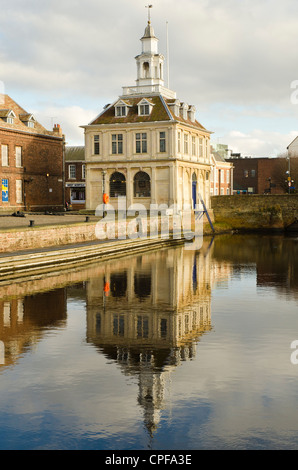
x=223, y=176
x=4, y=155
x=71, y=171
x=19, y=162
x=10, y=119
x=19, y=191
x=84, y=171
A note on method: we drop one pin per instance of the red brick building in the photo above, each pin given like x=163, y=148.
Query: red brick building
x=75, y=177
x=31, y=161
x=263, y=175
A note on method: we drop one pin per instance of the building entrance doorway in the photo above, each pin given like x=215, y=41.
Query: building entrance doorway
x=194, y=190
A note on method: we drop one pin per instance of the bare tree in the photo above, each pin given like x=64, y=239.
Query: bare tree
x=285, y=172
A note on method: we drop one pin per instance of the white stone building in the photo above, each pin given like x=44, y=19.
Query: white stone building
x=293, y=148
x=147, y=146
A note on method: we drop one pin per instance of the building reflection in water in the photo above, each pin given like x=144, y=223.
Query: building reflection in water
x=23, y=320
x=273, y=258
x=32, y=306
x=147, y=313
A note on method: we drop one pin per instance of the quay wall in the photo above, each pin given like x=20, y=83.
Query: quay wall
x=39, y=237
x=237, y=212
x=254, y=212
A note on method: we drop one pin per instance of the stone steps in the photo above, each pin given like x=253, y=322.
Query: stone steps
x=23, y=265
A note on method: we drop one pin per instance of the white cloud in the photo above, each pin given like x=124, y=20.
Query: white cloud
x=237, y=56
x=258, y=143
x=70, y=119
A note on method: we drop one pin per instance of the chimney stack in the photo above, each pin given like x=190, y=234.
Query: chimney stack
x=57, y=130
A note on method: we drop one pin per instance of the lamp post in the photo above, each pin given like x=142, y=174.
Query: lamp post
x=103, y=190
x=288, y=172
x=48, y=191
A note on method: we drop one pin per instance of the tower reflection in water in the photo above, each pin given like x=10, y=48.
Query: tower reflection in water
x=147, y=313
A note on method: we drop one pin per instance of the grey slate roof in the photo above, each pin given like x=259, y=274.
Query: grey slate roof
x=75, y=153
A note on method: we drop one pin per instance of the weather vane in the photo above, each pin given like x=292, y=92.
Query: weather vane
x=149, y=18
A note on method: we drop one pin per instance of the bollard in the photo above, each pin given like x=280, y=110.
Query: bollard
x=87, y=219
x=31, y=223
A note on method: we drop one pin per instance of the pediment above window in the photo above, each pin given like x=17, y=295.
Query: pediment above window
x=145, y=107
x=122, y=108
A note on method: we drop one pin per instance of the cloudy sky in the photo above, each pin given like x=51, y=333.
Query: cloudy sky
x=235, y=60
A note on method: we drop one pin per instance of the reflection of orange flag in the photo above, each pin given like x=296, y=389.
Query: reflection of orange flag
x=106, y=288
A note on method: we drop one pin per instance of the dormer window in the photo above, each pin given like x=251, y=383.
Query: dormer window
x=120, y=111
x=175, y=107
x=144, y=110
x=28, y=120
x=192, y=113
x=145, y=107
x=7, y=115
x=121, y=108
x=184, y=110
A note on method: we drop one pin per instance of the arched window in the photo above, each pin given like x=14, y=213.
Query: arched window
x=117, y=185
x=118, y=284
x=142, y=185
x=146, y=69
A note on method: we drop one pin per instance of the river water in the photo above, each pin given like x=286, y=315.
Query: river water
x=171, y=349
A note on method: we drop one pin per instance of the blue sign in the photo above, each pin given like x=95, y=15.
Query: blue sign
x=5, y=190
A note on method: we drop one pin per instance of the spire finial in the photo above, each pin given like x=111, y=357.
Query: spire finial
x=149, y=17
